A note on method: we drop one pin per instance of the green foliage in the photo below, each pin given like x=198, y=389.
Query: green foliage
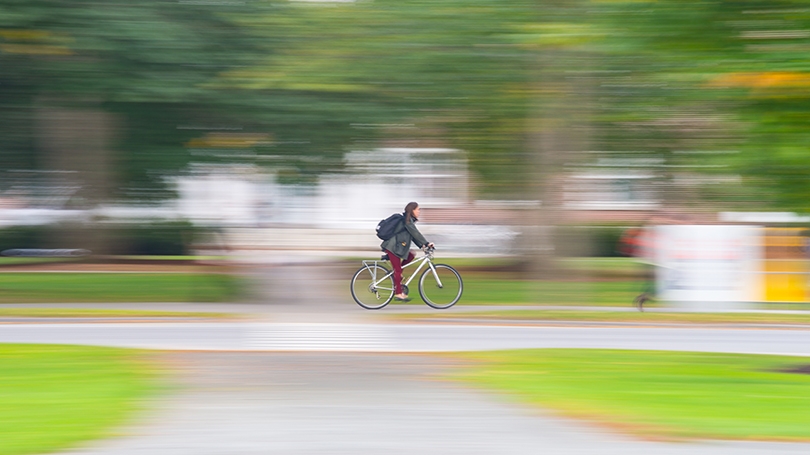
x=408, y=72
x=713, y=88
x=145, y=62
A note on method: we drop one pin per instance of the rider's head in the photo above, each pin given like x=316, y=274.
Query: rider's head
x=412, y=211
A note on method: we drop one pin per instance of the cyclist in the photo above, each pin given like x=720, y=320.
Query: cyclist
x=398, y=246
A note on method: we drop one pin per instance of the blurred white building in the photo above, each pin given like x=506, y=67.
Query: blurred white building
x=381, y=181
x=337, y=213
x=612, y=183
x=373, y=184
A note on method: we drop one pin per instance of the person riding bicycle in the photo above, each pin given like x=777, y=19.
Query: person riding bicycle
x=398, y=246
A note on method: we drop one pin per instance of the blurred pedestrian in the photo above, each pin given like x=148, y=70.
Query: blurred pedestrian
x=639, y=242
x=398, y=246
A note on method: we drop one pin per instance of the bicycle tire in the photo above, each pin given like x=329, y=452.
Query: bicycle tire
x=441, y=297
x=366, y=294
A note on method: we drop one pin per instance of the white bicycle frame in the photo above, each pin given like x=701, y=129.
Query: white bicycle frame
x=427, y=258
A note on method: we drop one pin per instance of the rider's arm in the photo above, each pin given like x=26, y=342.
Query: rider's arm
x=417, y=236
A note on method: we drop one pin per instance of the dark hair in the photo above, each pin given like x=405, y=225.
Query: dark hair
x=409, y=212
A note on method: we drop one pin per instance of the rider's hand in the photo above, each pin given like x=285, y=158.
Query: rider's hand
x=430, y=245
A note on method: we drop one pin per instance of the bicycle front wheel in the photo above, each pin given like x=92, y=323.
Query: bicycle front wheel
x=372, y=287
x=441, y=286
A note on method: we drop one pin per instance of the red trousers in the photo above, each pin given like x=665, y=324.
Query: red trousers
x=397, y=263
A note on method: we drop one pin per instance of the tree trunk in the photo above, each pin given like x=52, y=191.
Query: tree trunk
x=559, y=133
x=75, y=142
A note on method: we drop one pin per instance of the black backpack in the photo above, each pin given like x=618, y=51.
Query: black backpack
x=387, y=227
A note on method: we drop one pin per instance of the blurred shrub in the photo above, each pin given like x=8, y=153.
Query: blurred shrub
x=160, y=239
x=606, y=240
x=23, y=237
x=588, y=241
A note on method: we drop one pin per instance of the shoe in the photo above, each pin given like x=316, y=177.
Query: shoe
x=400, y=299
x=639, y=301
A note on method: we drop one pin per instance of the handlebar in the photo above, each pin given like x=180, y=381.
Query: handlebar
x=429, y=250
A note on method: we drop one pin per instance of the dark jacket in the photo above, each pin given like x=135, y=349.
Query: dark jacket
x=400, y=243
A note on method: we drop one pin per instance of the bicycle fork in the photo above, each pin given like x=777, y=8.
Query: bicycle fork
x=436, y=275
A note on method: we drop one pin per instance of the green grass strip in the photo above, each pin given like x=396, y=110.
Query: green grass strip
x=607, y=266
x=657, y=394
x=116, y=287
x=33, y=261
x=619, y=316
x=55, y=397
x=105, y=313
x=480, y=290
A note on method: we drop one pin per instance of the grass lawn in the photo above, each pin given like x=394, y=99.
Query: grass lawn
x=33, y=261
x=603, y=266
x=55, y=397
x=591, y=281
x=105, y=313
x=498, y=281
x=617, y=316
x=591, y=265
x=656, y=394
x=481, y=290
x=116, y=287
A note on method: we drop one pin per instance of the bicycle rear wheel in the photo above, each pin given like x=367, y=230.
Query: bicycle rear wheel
x=442, y=289
x=372, y=287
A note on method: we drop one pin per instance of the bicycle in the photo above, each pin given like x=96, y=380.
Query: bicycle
x=440, y=285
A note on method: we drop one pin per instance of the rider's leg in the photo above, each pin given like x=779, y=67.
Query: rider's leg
x=410, y=258
x=396, y=264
